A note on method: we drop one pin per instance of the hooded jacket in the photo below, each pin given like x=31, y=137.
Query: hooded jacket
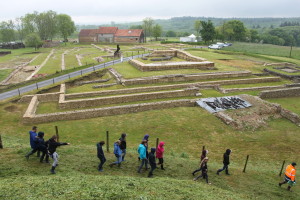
x=40, y=142
x=226, y=157
x=100, y=153
x=146, y=137
x=123, y=141
x=117, y=150
x=142, y=151
x=204, y=153
x=152, y=160
x=53, y=145
x=32, y=137
x=160, y=150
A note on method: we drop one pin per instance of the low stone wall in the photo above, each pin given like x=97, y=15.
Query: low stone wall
x=109, y=111
x=171, y=66
x=251, y=89
x=282, y=74
x=94, y=81
x=31, y=109
x=127, y=98
x=177, y=53
x=116, y=75
x=293, y=117
x=104, y=85
x=185, y=77
x=288, y=92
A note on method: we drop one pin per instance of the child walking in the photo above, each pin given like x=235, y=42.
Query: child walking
x=204, y=170
x=53, y=144
x=118, y=154
x=100, y=155
x=160, y=154
x=152, y=162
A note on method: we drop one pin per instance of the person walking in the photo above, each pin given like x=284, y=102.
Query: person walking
x=204, y=170
x=146, y=137
x=42, y=146
x=289, y=176
x=226, y=162
x=118, y=154
x=32, y=140
x=160, y=154
x=152, y=162
x=53, y=144
x=203, y=155
x=142, y=155
x=100, y=155
x=123, y=145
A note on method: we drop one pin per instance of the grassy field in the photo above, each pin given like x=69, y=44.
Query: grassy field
x=4, y=73
x=267, y=49
x=184, y=130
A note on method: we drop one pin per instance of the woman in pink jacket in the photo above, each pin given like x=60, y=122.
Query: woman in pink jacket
x=160, y=154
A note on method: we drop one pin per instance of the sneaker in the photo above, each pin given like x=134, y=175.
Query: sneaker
x=100, y=170
x=52, y=171
x=194, y=179
x=279, y=184
x=193, y=174
x=27, y=157
x=218, y=173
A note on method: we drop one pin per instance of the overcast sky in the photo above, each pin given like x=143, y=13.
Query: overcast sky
x=106, y=11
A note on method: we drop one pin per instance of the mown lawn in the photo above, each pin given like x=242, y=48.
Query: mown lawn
x=4, y=73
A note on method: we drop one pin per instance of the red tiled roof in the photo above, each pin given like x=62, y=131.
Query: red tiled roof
x=87, y=32
x=107, y=30
x=129, y=32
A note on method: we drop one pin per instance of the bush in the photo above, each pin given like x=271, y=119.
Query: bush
x=190, y=43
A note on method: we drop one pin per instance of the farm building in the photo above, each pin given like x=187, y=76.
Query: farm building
x=111, y=35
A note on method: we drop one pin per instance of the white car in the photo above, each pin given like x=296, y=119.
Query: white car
x=221, y=44
x=214, y=46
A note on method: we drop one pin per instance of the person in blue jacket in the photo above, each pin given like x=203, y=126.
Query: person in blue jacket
x=33, y=144
x=142, y=152
x=100, y=155
x=118, y=154
x=40, y=145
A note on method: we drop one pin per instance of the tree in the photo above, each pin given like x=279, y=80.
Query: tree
x=20, y=28
x=208, y=31
x=46, y=24
x=234, y=30
x=136, y=27
x=65, y=26
x=197, y=26
x=7, y=31
x=147, y=26
x=157, y=30
x=33, y=40
x=171, y=34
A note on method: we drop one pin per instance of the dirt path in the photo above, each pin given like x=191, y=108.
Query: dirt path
x=63, y=65
x=42, y=65
x=78, y=57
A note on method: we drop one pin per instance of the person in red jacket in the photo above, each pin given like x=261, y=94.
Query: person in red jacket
x=289, y=177
x=160, y=155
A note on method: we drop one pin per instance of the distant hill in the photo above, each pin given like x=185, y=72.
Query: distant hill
x=186, y=24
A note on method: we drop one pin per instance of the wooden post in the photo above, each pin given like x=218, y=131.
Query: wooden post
x=246, y=163
x=281, y=168
x=203, y=148
x=56, y=132
x=107, y=141
x=291, y=51
x=37, y=87
x=19, y=92
x=1, y=145
x=157, y=140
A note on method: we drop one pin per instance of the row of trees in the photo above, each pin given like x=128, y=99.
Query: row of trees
x=43, y=26
x=150, y=28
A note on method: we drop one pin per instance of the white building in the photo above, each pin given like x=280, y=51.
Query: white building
x=191, y=38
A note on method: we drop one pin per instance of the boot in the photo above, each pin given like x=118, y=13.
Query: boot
x=52, y=170
x=289, y=188
x=150, y=175
x=162, y=167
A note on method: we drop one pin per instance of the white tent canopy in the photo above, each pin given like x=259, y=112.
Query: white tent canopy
x=192, y=36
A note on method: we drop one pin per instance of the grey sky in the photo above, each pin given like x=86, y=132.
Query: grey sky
x=105, y=11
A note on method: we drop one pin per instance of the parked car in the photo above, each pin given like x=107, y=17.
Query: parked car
x=214, y=46
x=221, y=44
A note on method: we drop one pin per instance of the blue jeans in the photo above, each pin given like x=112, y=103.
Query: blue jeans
x=144, y=162
x=119, y=159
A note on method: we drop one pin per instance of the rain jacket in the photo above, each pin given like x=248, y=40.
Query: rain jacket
x=226, y=157
x=117, y=150
x=160, y=150
x=142, y=151
x=152, y=160
x=32, y=137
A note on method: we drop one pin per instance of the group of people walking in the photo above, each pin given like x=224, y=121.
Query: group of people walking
x=48, y=149
x=144, y=156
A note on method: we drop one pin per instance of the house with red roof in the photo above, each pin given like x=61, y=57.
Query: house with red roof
x=111, y=35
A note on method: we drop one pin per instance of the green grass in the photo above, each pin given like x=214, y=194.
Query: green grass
x=266, y=49
x=290, y=103
x=272, y=68
x=282, y=82
x=174, y=59
x=4, y=73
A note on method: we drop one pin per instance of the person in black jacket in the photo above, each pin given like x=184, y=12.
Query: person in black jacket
x=226, y=162
x=100, y=155
x=123, y=145
x=53, y=144
x=40, y=146
x=152, y=162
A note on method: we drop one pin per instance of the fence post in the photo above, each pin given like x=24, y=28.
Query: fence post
x=1, y=145
x=81, y=72
x=281, y=168
x=157, y=140
x=113, y=61
x=53, y=80
x=19, y=92
x=203, y=147
x=107, y=141
x=56, y=133
x=69, y=76
x=37, y=87
x=132, y=54
x=246, y=164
